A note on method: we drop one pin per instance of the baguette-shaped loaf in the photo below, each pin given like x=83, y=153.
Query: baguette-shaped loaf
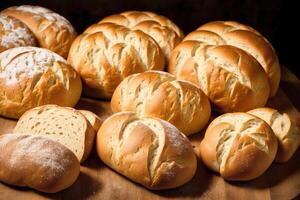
x=94, y=120
x=37, y=162
x=285, y=128
x=147, y=150
x=239, y=146
x=63, y=124
x=159, y=94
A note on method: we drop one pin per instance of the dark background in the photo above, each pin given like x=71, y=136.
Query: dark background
x=276, y=19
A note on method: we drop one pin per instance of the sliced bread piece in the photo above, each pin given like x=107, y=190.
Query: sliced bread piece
x=63, y=124
x=94, y=119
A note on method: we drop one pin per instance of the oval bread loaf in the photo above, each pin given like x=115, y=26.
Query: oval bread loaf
x=159, y=94
x=147, y=150
x=94, y=120
x=13, y=33
x=37, y=162
x=52, y=31
x=239, y=146
x=31, y=76
x=285, y=128
x=65, y=125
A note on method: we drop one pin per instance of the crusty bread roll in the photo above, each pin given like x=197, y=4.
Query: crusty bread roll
x=63, y=124
x=159, y=94
x=107, y=53
x=13, y=33
x=147, y=150
x=160, y=28
x=229, y=76
x=31, y=76
x=52, y=31
x=37, y=162
x=239, y=146
x=285, y=128
x=94, y=120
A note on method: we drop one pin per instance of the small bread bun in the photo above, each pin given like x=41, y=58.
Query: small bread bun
x=239, y=146
x=13, y=33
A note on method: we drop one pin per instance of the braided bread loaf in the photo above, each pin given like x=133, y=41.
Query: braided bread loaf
x=160, y=28
x=159, y=94
x=107, y=53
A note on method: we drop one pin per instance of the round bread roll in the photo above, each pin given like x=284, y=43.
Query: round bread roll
x=159, y=94
x=285, y=128
x=239, y=146
x=147, y=150
x=13, y=33
x=160, y=28
x=94, y=120
x=31, y=76
x=107, y=53
x=37, y=162
x=52, y=31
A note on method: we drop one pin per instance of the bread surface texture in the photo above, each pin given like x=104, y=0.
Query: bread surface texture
x=31, y=76
x=94, y=119
x=37, y=162
x=159, y=94
x=147, y=150
x=62, y=124
x=239, y=146
x=51, y=30
x=285, y=128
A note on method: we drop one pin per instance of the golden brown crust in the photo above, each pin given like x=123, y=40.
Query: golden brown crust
x=118, y=53
x=147, y=150
x=239, y=146
x=159, y=94
x=285, y=128
x=52, y=31
x=31, y=76
x=94, y=119
x=37, y=162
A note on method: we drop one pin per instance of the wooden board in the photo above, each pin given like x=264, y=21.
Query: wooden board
x=96, y=181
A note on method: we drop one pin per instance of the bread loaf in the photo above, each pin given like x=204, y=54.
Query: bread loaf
x=31, y=76
x=13, y=33
x=107, y=53
x=62, y=124
x=37, y=162
x=94, y=120
x=52, y=31
x=159, y=94
x=147, y=150
x=239, y=146
x=160, y=28
x=285, y=128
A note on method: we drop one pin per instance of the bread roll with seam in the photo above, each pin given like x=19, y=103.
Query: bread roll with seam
x=14, y=33
x=239, y=146
x=37, y=162
x=52, y=30
x=31, y=76
x=94, y=120
x=285, y=128
x=159, y=94
x=149, y=151
x=107, y=53
x=160, y=28
x=62, y=124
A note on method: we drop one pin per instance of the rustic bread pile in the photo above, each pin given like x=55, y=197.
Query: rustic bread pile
x=225, y=67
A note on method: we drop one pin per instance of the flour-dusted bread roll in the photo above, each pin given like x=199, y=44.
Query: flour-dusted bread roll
x=147, y=150
x=14, y=33
x=107, y=53
x=62, y=124
x=52, y=31
x=159, y=94
x=94, y=120
x=285, y=128
x=31, y=76
x=160, y=28
x=37, y=162
x=239, y=146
